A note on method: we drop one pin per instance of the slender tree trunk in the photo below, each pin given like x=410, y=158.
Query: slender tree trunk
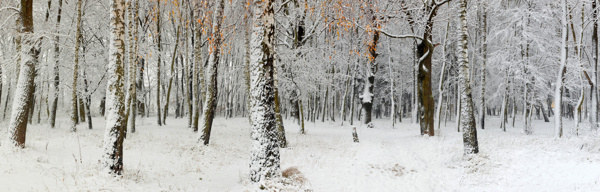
x=74, y=107
x=112, y=155
x=558, y=132
x=56, y=68
x=468, y=119
x=483, y=67
x=88, y=101
x=442, y=79
x=210, y=103
x=392, y=84
x=593, y=90
x=171, y=77
x=196, y=74
x=158, y=84
x=280, y=128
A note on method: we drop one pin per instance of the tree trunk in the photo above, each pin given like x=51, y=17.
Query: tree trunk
x=264, y=163
x=558, y=132
x=88, y=101
x=593, y=89
x=171, y=76
x=29, y=52
x=112, y=155
x=158, y=84
x=280, y=128
x=196, y=74
x=483, y=63
x=210, y=102
x=468, y=119
x=56, y=69
x=74, y=107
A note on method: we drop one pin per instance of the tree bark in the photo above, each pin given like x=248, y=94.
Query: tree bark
x=112, y=155
x=264, y=162
x=29, y=52
x=159, y=117
x=558, y=132
x=56, y=69
x=74, y=107
x=210, y=103
x=468, y=118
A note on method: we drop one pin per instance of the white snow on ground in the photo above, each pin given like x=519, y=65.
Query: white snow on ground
x=168, y=158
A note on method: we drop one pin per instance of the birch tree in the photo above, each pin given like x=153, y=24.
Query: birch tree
x=467, y=121
x=112, y=151
x=74, y=116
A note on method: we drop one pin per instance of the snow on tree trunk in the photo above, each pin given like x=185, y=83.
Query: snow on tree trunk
x=593, y=90
x=210, y=102
x=483, y=67
x=264, y=163
x=112, y=154
x=29, y=52
x=467, y=121
x=173, y=58
x=196, y=72
x=158, y=36
x=56, y=69
x=280, y=128
x=74, y=115
x=438, y=112
x=133, y=67
x=392, y=99
x=558, y=132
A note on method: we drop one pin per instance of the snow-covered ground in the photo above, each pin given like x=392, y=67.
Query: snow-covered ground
x=169, y=158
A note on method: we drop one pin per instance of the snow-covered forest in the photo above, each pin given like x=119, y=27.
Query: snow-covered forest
x=299, y=95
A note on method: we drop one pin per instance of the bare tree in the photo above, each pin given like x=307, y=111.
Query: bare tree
x=112, y=155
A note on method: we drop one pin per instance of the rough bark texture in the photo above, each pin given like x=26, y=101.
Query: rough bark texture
x=74, y=115
x=112, y=155
x=593, y=91
x=29, y=52
x=265, y=152
x=210, y=102
x=482, y=107
x=158, y=118
x=196, y=72
x=56, y=69
x=467, y=118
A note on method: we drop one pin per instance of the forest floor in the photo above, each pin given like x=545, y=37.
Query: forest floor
x=169, y=158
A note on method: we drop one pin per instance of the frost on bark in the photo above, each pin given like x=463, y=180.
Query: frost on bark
x=112, y=155
x=467, y=121
x=56, y=70
x=133, y=70
x=593, y=90
x=210, y=102
x=561, y=73
x=174, y=56
x=196, y=71
x=29, y=52
x=264, y=162
x=158, y=118
x=74, y=115
x=483, y=67
x=367, y=96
